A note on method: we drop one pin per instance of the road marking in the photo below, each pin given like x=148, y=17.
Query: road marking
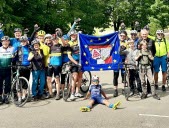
x=150, y=115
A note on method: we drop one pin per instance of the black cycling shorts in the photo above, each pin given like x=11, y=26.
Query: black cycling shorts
x=54, y=69
x=74, y=68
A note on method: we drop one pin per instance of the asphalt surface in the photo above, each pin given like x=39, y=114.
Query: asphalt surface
x=135, y=113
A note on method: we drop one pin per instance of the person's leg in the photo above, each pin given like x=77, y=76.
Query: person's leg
x=156, y=67
x=77, y=94
x=49, y=80
x=138, y=81
x=35, y=76
x=42, y=83
x=143, y=84
x=1, y=88
x=74, y=71
x=7, y=88
x=90, y=104
x=63, y=81
x=164, y=72
x=151, y=80
x=115, y=83
x=131, y=81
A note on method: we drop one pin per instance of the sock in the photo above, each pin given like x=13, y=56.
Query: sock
x=88, y=106
x=111, y=106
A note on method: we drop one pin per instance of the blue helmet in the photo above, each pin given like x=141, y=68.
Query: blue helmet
x=65, y=37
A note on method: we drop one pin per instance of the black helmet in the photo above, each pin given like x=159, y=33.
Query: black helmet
x=35, y=42
x=5, y=38
x=123, y=32
x=23, y=38
x=17, y=30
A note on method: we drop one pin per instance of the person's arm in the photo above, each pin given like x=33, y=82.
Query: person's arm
x=36, y=28
x=123, y=52
x=30, y=57
x=1, y=31
x=104, y=94
x=87, y=95
x=73, y=26
x=150, y=56
x=138, y=55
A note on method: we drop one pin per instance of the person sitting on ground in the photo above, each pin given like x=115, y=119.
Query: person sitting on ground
x=95, y=92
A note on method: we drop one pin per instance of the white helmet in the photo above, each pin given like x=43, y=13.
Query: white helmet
x=95, y=78
x=159, y=32
x=48, y=36
x=133, y=32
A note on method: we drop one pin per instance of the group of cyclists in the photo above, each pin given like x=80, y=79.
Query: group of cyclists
x=44, y=54
x=145, y=55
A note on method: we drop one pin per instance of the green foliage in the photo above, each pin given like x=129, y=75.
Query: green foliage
x=51, y=14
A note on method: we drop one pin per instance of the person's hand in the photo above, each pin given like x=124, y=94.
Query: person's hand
x=26, y=30
x=31, y=55
x=36, y=27
x=77, y=20
x=106, y=98
x=85, y=98
x=140, y=54
x=1, y=25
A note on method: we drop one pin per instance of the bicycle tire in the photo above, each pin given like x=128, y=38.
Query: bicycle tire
x=67, y=87
x=167, y=81
x=14, y=91
x=86, y=81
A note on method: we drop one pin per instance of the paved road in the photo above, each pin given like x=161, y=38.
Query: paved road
x=136, y=113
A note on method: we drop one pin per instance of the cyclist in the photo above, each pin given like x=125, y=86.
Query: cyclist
x=38, y=70
x=22, y=60
x=144, y=57
x=123, y=45
x=6, y=54
x=54, y=66
x=162, y=51
x=77, y=75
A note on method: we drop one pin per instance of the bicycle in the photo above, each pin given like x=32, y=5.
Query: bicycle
x=126, y=91
x=20, y=88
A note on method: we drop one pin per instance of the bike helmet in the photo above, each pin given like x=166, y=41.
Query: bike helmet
x=73, y=32
x=65, y=37
x=133, y=32
x=159, y=32
x=5, y=38
x=146, y=27
x=17, y=30
x=48, y=36
x=35, y=42
x=41, y=33
x=23, y=38
x=95, y=78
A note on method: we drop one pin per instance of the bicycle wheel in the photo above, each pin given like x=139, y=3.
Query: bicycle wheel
x=20, y=88
x=67, y=87
x=86, y=81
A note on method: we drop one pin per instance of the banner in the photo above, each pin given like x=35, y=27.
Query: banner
x=99, y=53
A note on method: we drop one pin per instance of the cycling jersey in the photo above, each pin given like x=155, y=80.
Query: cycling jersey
x=75, y=49
x=6, y=56
x=95, y=90
x=162, y=47
x=15, y=43
x=66, y=51
x=22, y=55
x=56, y=55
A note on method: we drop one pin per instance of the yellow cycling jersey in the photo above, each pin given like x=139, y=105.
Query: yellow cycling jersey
x=124, y=44
x=162, y=47
x=46, y=51
x=72, y=43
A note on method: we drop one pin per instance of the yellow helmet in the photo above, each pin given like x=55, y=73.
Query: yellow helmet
x=41, y=33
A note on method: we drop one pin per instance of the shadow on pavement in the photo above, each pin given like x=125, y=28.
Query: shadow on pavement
x=4, y=106
x=37, y=103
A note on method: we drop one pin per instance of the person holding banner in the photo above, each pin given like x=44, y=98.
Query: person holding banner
x=77, y=75
x=123, y=45
x=6, y=54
